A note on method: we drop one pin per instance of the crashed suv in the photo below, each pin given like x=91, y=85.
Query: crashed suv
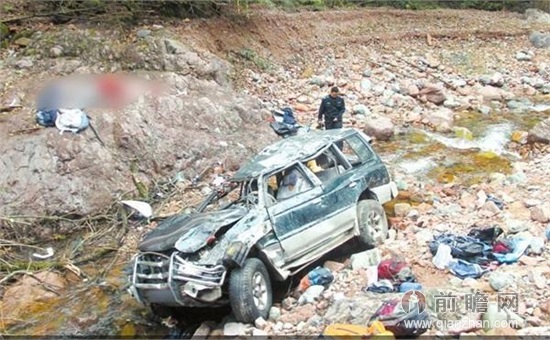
x=292, y=203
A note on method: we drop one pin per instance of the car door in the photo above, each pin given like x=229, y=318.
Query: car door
x=297, y=220
x=340, y=194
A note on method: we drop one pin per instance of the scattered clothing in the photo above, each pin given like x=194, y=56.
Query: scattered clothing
x=396, y=316
x=519, y=246
x=73, y=120
x=442, y=257
x=382, y=286
x=463, y=269
x=395, y=271
x=319, y=276
x=46, y=117
x=462, y=247
x=486, y=234
x=408, y=286
x=502, y=247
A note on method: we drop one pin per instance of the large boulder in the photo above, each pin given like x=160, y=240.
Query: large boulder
x=540, y=133
x=201, y=121
x=540, y=39
x=434, y=94
x=381, y=128
x=441, y=119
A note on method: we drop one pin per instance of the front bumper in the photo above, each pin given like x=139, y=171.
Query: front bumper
x=173, y=281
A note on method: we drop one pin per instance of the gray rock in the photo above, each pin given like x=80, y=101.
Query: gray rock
x=144, y=33
x=204, y=329
x=534, y=331
x=259, y=333
x=357, y=310
x=175, y=47
x=522, y=56
x=424, y=236
x=541, y=213
x=537, y=83
x=442, y=119
x=361, y=109
x=485, y=80
x=540, y=133
x=458, y=82
x=319, y=81
x=24, y=63
x=401, y=209
x=516, y=226
x=234, y=329
x=380, y=128
x=367, y=73
x=499, y=281
x=497, y=79
x=366, y=85
x=388, y=101
x=536, y=15
x=311, y=294
x=378, y=89
x=484, y=109
x=23, y=41
x=366, y=259
x=56, y=51
x=451, y=103
x=519, y=106
x=495, y=317
x=260, y=323
x=274, y=313
x=539, y=39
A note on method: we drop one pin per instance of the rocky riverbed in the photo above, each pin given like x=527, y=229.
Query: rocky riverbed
x=459, y=113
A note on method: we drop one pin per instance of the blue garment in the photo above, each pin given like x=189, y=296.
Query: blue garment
x=320, y=276
x=407, y=286
x=464, y=269
x=519, y=246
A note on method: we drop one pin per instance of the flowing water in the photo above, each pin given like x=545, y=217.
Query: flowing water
x=101, y=305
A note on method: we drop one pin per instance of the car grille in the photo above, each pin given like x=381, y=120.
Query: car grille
x=159, y=271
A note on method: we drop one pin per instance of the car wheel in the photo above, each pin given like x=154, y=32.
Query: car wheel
x=250, y=291
x=373, y=224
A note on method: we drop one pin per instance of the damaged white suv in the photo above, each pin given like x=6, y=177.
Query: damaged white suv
x=292, y=203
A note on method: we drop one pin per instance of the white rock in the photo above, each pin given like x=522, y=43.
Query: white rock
x=260, y=323
x=311, y=294
x=234, y=329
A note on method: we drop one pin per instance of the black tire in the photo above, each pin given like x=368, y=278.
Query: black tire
x=248, y=300
x=373, y=224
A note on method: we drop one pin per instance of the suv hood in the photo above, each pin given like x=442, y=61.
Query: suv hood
x=189, y=233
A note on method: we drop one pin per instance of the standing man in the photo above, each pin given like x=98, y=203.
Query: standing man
x=332, y=108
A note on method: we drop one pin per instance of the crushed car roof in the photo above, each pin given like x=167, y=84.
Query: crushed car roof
x=289, y=150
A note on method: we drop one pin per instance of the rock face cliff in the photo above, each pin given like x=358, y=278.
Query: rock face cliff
x=202, y=120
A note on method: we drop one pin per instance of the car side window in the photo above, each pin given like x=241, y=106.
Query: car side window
x=356, y=150
x=326, y=166
x=288, y=183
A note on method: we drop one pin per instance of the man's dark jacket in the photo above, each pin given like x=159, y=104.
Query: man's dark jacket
x=332, y=108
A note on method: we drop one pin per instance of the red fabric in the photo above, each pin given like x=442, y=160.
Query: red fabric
x=388, y=269
x=387, y=309
x=501, y=248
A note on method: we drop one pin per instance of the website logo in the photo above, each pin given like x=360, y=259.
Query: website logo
x=413, y=302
